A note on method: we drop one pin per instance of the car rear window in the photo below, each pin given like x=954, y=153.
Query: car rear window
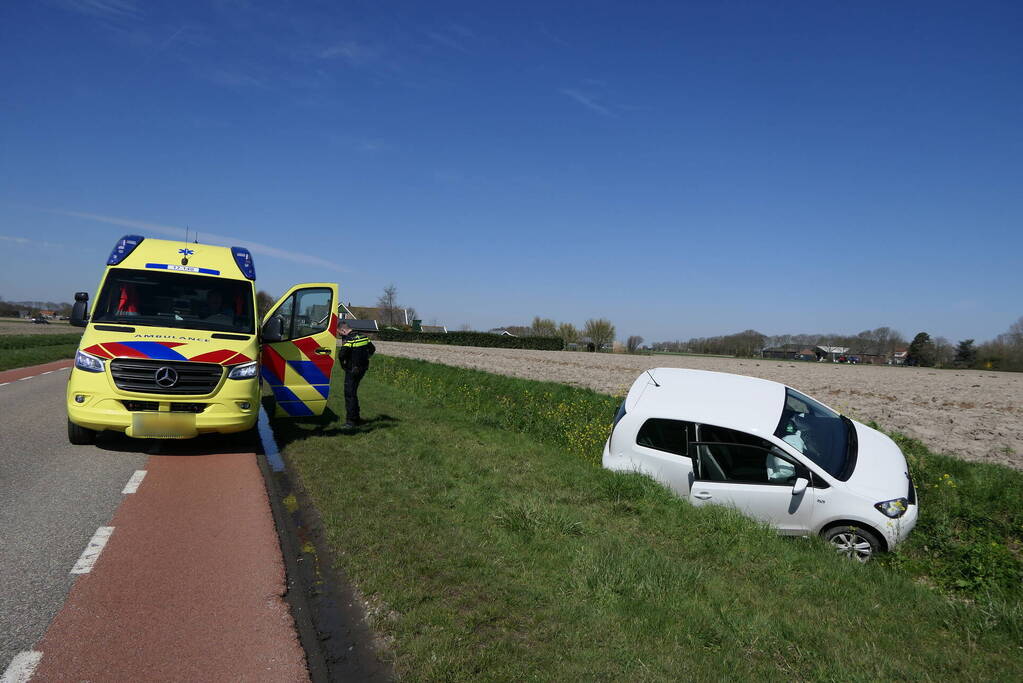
x=664, y=435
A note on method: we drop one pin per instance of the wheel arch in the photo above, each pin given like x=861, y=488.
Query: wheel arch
x=856, y=523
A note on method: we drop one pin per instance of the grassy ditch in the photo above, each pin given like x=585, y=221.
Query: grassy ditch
x=488, y=544
x=21, y=350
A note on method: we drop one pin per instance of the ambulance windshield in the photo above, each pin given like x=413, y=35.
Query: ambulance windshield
x=162, y=299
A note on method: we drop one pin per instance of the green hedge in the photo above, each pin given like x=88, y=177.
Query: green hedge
x=474, y=339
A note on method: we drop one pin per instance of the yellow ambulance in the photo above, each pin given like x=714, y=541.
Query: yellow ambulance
x=172, y=346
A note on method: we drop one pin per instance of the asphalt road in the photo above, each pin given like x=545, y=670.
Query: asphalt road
x=53, y=497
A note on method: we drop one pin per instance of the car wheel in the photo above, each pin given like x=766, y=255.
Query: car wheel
x=80, y=436
x=853, y=541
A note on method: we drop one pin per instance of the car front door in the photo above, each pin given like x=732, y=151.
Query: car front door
x=299, y=343
x=740, y=470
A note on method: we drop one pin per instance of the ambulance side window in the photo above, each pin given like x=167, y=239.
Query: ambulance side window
x=306, y=312
x=312, y=312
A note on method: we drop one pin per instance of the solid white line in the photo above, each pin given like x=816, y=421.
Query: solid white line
x=92, y=551
x=133, y=484
x=22, y=667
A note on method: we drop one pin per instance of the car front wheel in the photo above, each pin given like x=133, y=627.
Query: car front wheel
x=853, y=541
x=80, y=436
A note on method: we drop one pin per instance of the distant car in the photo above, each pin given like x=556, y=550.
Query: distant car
x=770, y=451
x=40, y=320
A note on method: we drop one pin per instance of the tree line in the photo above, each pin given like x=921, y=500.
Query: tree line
x=595, y=332
x=1004, y=352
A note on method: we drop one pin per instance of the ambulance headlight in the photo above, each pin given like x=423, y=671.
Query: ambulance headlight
x=88, y=362
x=243, y=371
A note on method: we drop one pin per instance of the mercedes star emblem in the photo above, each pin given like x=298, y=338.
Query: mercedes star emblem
x=166, y=377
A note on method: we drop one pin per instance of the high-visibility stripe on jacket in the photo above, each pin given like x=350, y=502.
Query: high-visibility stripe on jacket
x=355, y=351
x=354, y=340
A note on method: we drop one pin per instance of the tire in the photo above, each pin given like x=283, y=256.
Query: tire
x=80, y=436
x=854, y=542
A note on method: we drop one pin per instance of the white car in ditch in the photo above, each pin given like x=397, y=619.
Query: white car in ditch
x=777, y=455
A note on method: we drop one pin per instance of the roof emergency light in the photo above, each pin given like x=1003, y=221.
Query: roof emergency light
x=124, y=246
x=244, y=260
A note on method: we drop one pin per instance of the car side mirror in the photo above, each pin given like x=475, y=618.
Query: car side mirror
x=273, y=329
x=79, y=312
x=800, y=486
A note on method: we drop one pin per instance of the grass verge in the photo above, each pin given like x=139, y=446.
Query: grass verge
x=20, y=350
x=488, y=545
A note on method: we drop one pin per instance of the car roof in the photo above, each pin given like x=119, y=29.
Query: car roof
x=748, y=404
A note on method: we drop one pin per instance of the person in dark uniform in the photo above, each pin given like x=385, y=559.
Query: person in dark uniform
x=354, y=358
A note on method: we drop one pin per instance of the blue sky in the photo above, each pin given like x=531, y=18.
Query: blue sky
x=684, y=169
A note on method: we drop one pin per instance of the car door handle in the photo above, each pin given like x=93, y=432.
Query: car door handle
x=323, y=350
x=702, y=495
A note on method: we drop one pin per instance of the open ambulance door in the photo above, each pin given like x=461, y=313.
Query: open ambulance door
x=298, y=347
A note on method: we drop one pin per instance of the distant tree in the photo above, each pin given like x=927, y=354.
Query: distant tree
x=632, y=343
x=412, y=315
x=1015, y=333
x=264, y=302
x=921, y=351
x=544, y=327
x=966, y=354
x=600, y=331
x=568, y=333
x=944, y=352
x=465, y=327
x=388, y=305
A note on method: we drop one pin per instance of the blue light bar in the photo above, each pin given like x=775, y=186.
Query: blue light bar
x=244, y=260
x=124, y=246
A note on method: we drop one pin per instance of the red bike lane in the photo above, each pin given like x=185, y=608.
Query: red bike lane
x=189, y=586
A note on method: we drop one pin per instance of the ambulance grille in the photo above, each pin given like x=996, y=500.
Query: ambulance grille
x=139, y=375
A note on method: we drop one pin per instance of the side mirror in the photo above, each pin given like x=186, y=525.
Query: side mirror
x=800, y=486
x=80, y=311
x=273, y=329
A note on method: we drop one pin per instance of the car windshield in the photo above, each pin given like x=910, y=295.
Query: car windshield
x=819, y=433
x=197, y=302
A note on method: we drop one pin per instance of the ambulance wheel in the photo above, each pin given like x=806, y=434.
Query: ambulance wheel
x=80, y=436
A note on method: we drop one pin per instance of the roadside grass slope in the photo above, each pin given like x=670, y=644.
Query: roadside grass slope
x=472, y=514
x=20, y=350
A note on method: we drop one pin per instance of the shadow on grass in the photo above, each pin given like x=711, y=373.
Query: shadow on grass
x=289, y=430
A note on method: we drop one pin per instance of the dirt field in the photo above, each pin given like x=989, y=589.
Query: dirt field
x=973, y=414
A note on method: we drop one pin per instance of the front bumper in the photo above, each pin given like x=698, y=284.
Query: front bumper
x=104, y=407
x=897, y=530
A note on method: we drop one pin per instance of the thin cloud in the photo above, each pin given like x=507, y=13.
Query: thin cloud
x=588, y=101
x=233, y=79
x=352, y=52
x=106, y=9
x=24, y=241
x=453, y=36
x=175, y=231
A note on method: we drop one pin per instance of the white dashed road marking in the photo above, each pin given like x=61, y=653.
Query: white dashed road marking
x=92, y=551
x=3, y=384
x=133, y=484
x=22, y=667
x=22, y=379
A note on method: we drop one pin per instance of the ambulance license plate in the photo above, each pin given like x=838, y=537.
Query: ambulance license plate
x=163, y=425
